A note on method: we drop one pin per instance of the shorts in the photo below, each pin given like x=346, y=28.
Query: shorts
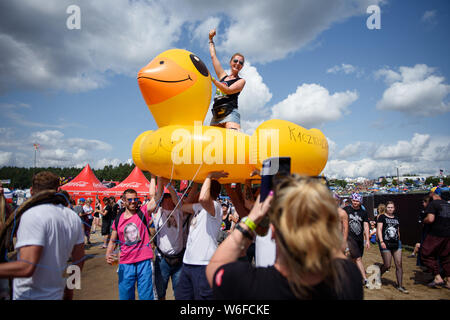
x=387, y=249
x=234, y=116
x=106, y=227
x=356, y=248
x=139, y=273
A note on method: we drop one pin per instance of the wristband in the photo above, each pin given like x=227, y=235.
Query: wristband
x=249, y=223
x=244, y=232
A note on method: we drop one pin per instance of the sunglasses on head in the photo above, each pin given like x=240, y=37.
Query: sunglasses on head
x=240, y=62
x=130, y=200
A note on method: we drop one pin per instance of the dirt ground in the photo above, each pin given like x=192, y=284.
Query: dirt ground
x=99, y=280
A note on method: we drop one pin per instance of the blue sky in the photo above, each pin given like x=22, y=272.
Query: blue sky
x=380, y=96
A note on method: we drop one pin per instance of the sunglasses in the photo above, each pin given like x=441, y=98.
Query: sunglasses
x=240, y=62
x=130, y=200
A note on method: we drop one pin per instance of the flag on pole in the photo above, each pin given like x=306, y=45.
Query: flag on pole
x=36, y=146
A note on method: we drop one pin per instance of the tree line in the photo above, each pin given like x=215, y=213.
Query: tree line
x=21, y=177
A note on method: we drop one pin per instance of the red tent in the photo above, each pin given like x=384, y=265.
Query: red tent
x=136, y=180
x=85, y=185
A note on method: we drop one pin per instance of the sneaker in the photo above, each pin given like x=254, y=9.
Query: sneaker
x=412, y=256
x=402, y=289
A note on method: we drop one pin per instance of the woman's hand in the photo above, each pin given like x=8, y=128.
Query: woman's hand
x=383, y=245
x=259, y=210
x=212, y=33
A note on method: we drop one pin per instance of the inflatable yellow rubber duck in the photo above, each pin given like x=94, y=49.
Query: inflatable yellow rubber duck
x=176, y=85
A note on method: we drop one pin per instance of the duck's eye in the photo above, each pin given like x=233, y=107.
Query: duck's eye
x=161, y=62
x=199, y=65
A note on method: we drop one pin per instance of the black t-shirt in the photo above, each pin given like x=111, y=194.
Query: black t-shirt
x=221, y=99
x=241, y=281
x=109, y=213
x=441, y=225
x=390, y=229
x=115, y=210
x=356, y=219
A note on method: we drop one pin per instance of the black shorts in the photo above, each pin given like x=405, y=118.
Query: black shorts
x=356, y=248
x=106, y=227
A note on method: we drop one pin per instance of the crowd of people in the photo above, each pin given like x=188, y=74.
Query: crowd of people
x=211, y=247
x=301, y=242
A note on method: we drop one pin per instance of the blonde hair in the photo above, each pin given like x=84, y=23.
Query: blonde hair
x=381, y=209
x=307, y=228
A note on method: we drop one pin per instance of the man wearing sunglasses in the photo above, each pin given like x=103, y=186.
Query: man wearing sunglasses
x=136, y=254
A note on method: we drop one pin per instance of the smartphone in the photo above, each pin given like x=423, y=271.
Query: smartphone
x=273, y=170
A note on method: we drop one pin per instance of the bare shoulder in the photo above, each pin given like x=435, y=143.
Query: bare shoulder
x=342, y=213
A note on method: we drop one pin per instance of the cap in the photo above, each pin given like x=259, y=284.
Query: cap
x=82, y=200
x=357, y=197
x=436, y=190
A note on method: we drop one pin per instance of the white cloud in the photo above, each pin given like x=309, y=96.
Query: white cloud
x=40, y=53
x=249, y=126
x=413, y=149
x=415, y=91
x=6, y=158
x=346, y=69
x=267, y=31
x=200, y=32
x=312, y=105
x=351, y=150
x=255, y=96
x=55, y=150
x=423, y=154
x=100, y=164
x=429, y=16
x=331, y=149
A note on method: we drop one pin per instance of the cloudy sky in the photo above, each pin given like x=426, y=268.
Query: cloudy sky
x=381, y=96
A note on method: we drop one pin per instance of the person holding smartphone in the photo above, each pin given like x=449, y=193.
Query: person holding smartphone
x=225, y=107
x=309, y=261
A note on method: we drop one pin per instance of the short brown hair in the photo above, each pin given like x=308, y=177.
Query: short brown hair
x=45, y=180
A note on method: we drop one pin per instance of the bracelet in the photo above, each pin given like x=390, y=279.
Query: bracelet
x=249, y=223
x=244, y=232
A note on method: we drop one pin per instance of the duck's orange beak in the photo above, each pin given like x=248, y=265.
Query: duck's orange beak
x=162, y=79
